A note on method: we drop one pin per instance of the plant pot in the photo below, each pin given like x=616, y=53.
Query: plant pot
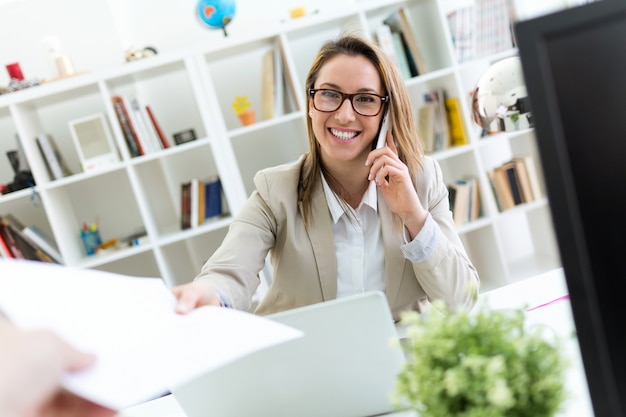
x=247, y=118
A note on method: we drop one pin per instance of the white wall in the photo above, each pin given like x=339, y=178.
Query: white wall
x=96, y=33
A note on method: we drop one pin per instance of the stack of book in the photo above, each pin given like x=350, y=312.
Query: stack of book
x=440, y=123
x=464, y=200
x=26, y=242
x=481, y=28
x=515, y=182
x=201, y=200
x=397, y=37
x=141, y=130
x=52, y=157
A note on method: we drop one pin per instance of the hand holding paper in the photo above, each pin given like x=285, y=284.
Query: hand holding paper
x=142, y=346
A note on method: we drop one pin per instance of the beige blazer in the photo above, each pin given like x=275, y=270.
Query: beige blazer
x=304, y=260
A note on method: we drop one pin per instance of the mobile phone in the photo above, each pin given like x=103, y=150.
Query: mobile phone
x=382, y=132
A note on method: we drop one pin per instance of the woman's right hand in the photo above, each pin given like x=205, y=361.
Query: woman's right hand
x=195, y=294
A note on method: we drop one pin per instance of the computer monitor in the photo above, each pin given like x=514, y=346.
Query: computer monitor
x=574, y=65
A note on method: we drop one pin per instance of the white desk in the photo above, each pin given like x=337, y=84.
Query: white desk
x=531, y=292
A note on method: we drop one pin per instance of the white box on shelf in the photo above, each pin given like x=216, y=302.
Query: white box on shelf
x=94, y=142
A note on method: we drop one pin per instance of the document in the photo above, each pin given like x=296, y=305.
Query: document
x=143, y=347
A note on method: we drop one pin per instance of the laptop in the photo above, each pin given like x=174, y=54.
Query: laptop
x=345, y=366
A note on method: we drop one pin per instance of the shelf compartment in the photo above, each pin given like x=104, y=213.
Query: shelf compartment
x=108, y=200
x=483, y=250
x=161, y=181
x=267, y=147
x=265, y=71
x=186, y=257
x=304, y=43
x=142, y=264
x=168, y=91
x=527, y=241
x=51, y=115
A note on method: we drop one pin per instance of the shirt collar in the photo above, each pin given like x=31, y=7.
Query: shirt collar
x=370, y=198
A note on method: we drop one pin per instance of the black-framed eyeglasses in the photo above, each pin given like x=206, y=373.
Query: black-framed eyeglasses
x=365, y=104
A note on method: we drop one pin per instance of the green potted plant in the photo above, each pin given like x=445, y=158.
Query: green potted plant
x=487, y=363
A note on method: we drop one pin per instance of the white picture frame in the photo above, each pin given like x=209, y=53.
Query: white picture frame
x=94, y=142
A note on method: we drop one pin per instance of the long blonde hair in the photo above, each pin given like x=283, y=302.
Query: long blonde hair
x=402, y=116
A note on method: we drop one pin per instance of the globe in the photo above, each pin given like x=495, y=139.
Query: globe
x=216, y=14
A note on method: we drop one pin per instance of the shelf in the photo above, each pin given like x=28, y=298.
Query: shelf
x=194, y=88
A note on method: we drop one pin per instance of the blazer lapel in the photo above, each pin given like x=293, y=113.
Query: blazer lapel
x=394, y=259
x=321, y=237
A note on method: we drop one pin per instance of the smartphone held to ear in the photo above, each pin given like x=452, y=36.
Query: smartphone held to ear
x=382, y=133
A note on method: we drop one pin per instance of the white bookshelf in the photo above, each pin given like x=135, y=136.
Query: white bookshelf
x=194, y=88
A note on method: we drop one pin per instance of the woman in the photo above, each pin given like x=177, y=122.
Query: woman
x=345, y=218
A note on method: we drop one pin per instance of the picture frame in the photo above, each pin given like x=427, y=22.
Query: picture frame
x=94, y=142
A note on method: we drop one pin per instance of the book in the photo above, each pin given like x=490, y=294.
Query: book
x=512, y=175
x=9, y=243
x=442, y=134
x=5, y=250
x=401, y=55
x=456, y=127
x=503, y=189
x=213, y=198
x=129, y=135
x=426, y=122
x=410, y=35
x=23, y=247
x=44, y=241
x=151, y=133
x=523, y=180
x=533, y=175
x=385, y=41
x=157, y=127
x=53, y=159
x=148, y=143
x=185, y=212
x=400, y=22
x=268, y=86
x=460, y=210
x=194, y=202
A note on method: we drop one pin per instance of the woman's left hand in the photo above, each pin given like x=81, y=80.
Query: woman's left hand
x=392, y=177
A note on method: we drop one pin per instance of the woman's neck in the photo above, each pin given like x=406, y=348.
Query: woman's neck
x=348, y=181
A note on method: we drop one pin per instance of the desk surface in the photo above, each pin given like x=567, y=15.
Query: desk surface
x=543, y=294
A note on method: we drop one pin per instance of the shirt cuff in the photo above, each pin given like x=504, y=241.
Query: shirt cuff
x=223, y=300
x=425, y=242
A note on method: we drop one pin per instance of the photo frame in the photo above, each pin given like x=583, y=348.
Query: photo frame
x=94, y=142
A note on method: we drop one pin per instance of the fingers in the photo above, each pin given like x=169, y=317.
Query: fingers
x=193, y=295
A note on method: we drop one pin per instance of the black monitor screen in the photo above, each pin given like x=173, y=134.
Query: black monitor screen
x=574, y=64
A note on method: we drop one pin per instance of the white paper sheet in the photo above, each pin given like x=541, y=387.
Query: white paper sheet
x=143, y=347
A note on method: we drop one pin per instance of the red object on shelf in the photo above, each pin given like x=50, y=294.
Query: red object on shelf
x=15, y=72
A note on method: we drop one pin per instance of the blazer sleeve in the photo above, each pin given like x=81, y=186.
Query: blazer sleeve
x=448, y=274
x=235, y=266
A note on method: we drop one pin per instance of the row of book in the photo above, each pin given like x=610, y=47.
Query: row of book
x=201, y=200
x=515, y=182
x=53, y=159
x=18, y=241
x=277, y=90
x=140, y=128
x=397, y=37
x=440, y=122
x=481, y=28
x=464, y=199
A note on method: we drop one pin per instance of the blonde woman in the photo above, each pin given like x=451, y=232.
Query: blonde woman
x=346, y=217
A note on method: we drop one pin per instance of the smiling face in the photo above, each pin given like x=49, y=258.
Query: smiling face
x=345, y=136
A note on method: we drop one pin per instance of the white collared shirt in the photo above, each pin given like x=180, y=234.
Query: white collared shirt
x=358, y=243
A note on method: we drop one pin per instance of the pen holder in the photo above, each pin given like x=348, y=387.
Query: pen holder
x=91, y=240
